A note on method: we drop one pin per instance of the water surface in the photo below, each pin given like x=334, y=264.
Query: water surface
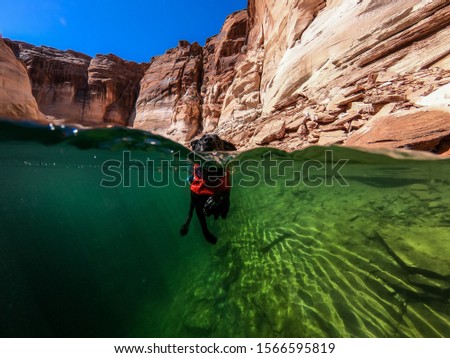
x=358, y=250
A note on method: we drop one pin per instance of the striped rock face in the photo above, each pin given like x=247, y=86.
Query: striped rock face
x=73, y=87
x=16, y=99
x=326, y=68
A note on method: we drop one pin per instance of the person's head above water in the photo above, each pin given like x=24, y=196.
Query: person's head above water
x=210, y=143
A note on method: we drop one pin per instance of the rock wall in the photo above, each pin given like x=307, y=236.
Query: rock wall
x=113, y=88
x=183, y=90
x=169, y=101
x=324, y=68
x=74, y=87
x=422, y=129
x=314, y=46
x=16, y=99
x=221, y=55
x=295, y=73
x=274, y=28
x=282, y=73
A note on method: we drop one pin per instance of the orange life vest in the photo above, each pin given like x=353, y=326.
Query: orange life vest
x=201, y=186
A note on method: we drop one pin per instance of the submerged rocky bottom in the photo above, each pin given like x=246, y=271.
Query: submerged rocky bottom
x=367, y=255
x=370, y=259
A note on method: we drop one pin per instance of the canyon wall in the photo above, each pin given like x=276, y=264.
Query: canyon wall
x=282, y=73
x=183, y=90
x=16, y=99
x=169, y=100
x=325, y=68
x=76, y=88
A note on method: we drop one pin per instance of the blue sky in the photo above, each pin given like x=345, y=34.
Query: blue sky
x=132, y=29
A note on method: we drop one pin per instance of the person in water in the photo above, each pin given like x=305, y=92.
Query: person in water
x=210, y=187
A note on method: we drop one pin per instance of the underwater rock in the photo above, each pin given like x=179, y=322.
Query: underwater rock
x=420, y=248
x=419, y=187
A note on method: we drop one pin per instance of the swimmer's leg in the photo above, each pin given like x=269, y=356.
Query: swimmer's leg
x=200, y=201
x=225, y=205
x=185, y=228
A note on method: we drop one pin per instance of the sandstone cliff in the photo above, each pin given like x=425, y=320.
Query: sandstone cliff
x=327, y=67
x=183, y=90
x=169, y=101
x=285, y=74
x=16, y=99
x=221, y=55
x=291, y=74
x=74, y=87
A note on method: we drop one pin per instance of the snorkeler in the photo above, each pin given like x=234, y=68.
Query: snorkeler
x=210, y=189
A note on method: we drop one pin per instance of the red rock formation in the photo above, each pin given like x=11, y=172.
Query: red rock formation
x=183, y=90
x=113, y=88
x=16, y=99
x=221, y=54
x=285, y=74
x=76, y=88
x=169, y=102
x=333, y=65
x=58, y=78
x=423, y=129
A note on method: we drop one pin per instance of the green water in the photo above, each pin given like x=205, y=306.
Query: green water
x=361, y=251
